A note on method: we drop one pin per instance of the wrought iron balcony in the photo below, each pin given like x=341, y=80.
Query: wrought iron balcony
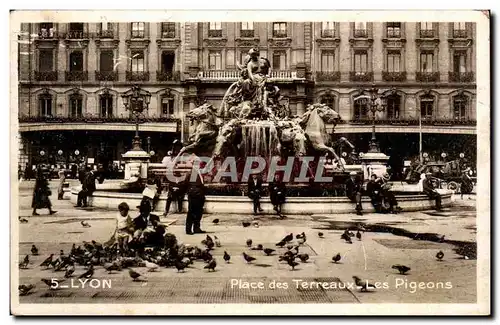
x=215, y=33
x=168, y=34
x=364, y=120
x=394, y=76
x=360, y=76
x=106, y=34
x=77, y=75
x=106, y=75
x=460, y=76
x=328, y=76
x=168, y=76
x=279, y=34
x=76, y=34
x=328, y=33
x=91, y=118
x=394, y=33
x=233, y=75
x=247, y=33
x=427, y=33
x=427, y=76
x=137, y=76
x=47, y=34
x=361, y=33
x=460, y=33
x=46, y=75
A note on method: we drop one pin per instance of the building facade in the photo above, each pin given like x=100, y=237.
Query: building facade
x=72, y=75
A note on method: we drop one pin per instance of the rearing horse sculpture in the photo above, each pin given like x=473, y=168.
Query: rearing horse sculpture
x=206, y=129
x=313, y=122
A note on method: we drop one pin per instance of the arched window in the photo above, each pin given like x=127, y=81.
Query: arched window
x=426, y=106
x=393, y=106
x=106, y=105
x=329, y=100
x=360, y=109
x=460, y=107
x=76, y=105
x=167, y=106
x=45, y=104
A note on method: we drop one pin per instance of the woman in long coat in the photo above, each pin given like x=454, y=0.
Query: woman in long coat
x=41, y=194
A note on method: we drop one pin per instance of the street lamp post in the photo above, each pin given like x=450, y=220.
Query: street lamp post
x=136, y=100
x=377, y=104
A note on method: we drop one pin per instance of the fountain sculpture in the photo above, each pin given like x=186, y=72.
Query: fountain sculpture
x=253, y=122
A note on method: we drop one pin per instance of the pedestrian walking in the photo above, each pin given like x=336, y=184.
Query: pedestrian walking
x=466, y=184
x=373, y=190
x=41, y=194
x=62, y=179
x=196, y=203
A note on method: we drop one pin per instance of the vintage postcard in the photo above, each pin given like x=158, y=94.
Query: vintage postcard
x=250, y=162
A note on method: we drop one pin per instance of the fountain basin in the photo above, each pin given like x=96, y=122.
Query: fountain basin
x=409, y=201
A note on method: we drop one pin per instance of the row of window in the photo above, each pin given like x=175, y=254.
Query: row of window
x=279, y=29
x=106, y=109
x=361, y=111
x=394, y=63
x=360, y=108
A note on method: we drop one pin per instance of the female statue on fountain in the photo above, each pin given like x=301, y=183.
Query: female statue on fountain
x=253, y=85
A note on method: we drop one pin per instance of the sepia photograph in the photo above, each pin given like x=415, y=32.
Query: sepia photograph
x=164, y=159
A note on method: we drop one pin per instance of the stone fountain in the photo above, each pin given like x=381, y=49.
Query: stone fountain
x=252, y=121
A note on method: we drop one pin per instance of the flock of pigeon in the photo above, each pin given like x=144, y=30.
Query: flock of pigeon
x=94, y=255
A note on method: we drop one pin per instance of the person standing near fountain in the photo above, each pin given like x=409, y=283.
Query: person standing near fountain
x=277, y=192
x=196, y=202
x=255, y=192
x=353, y=191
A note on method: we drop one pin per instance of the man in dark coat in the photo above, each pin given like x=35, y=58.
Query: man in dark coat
x=374, y=191
x=353, y=191
x=255, y=192
x=277, y=193
x=430, y=191
x=147, y=228
x=196, y=202
x=41, y=194
x=88, y=187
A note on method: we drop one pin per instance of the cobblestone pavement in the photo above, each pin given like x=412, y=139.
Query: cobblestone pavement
x=370, y=258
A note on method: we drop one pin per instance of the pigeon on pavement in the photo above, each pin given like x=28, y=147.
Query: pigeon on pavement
x=211, y=265
x=24, y=289
x=248, y=258
x=133, y=274
x=85, y=224
x=269, y=251
x=227, y=257
x=336, y=258
x=363, y=284
x=34, y=250
x=401, y=268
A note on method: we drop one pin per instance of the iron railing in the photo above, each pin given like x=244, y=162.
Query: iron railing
x=168, y=76
x=137, y=76
x=328, y=76
x=91, y=118
x=394, y=76
x=460, y=76
x=427, y=76
x=360, y=76
x=77, y=75
x=106, y=75
x=46, y=75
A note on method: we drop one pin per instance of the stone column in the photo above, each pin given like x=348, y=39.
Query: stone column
x=300, y=99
